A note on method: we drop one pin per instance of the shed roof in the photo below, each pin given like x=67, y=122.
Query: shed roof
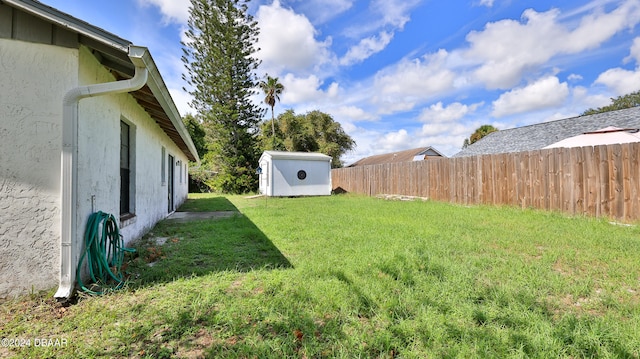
x=414, y=154
x=112, y=52
x=306, y=156
x=538, y=136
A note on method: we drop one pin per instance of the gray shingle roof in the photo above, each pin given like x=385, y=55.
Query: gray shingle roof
x=535, y=137
x=400, y=156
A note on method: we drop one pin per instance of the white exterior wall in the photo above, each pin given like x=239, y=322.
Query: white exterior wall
x=280, y=177
x=264, y=178
x=99, y=157
x=34, y=80
x=286, y=182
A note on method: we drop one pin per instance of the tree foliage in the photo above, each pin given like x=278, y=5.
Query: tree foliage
x=196, y=132
x=479, y=133
x=618, y=103
x=312, y=132
x=218, y=56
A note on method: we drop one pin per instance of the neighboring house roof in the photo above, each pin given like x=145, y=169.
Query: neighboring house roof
x=112, y=52
x=306, y=156
x=606, y=136
x=415, y=154
x=538, y=136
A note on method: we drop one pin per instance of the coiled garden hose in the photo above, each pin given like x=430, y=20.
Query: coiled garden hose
x=104, y=252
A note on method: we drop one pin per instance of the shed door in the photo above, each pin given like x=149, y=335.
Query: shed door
x=264, y=177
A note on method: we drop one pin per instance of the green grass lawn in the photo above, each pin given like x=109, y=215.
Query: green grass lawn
x=348, y=276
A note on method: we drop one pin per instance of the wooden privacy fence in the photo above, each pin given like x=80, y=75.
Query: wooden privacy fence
x=602, y=181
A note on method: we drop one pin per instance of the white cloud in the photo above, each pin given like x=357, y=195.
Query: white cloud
x=393, y=141
x=172, y=11
x=434, y=129
x=181, y=100
x=507, y=49
x=353, y=113
x=445, y=137
x=544, y=93
x=634, y=53
x=394, y=12
x=596, y=28
x=487, y=3
x=621, y=81
x=583, y=99
x=306, y=89
x=366, y=47
x=384, y=18
x=574, y=77
x=391, y=15
x=373, y=142
x=411, y=81
x=321, y=11
x=291, y=47
x=453, y=112
x=390, y=107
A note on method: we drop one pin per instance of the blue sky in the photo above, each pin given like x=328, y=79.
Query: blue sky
x=400, y=74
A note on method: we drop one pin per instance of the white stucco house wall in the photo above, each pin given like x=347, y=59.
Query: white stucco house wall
x=86, y=124
x=294, y=174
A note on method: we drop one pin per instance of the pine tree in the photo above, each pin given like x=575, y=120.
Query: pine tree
x=196, y=132
x=218, y=56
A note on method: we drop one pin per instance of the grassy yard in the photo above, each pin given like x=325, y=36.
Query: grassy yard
x=347, y=276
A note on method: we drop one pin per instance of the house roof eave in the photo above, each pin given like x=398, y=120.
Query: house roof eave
x=112, y=52
x=71, y=23
x=161, y=94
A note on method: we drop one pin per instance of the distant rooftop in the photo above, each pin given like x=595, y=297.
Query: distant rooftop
x=415, y=154
x=538, y=136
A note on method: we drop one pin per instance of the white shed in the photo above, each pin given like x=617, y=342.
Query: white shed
x=294, y=174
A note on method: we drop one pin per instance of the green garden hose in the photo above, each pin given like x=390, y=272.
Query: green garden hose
x=104, y=252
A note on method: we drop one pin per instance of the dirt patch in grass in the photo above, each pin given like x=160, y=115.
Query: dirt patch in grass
x=40, y=307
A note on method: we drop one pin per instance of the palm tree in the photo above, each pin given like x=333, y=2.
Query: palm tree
x=272, y=90
x=479, y=133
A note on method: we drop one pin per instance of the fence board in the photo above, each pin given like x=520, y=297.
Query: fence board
x=618, y=182
x=602, y=181
x=521, y=178
x=634, y=182
x=578, y=182
x=591, y=189
x=566, y=190
x=626, y=181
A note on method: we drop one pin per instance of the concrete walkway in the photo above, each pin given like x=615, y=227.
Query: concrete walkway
x=193, y=216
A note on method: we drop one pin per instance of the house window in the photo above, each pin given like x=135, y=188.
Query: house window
x=126, y=181
x=163, y=169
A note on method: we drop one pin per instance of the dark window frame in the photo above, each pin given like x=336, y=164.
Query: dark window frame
x=125, y=169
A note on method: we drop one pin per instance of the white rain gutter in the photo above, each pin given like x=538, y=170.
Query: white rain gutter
x=139, y=56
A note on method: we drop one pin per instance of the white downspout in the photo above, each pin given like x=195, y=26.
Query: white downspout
x=69, y=165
